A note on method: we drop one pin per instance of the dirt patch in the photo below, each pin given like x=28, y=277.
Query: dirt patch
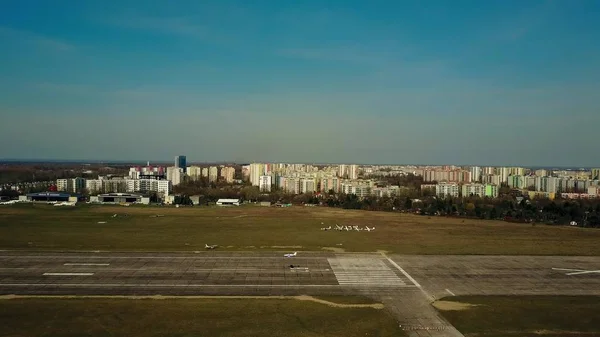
x=161, y=297
x=334, y=249
x=338, y=305
x=452, y=306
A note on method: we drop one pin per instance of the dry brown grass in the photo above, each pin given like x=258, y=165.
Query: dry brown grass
x=237, y=228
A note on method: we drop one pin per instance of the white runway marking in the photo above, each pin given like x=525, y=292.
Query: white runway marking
x=143, y=285
x=449, y=292
x=370, y=271
x=402, y=271
x=68, y=274
x=86, y=264
x=159, y=257
x=577, y=271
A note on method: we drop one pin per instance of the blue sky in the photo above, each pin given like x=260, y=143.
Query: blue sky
x=432, y=82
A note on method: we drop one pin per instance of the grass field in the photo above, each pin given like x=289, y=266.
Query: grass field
x=262, y=228
x=520, y=316
x=189, y=317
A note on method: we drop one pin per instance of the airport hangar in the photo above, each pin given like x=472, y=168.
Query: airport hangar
x=120, y=198
x=51, y=197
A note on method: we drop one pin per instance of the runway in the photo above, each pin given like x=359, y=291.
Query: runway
x=406, y=284
x=201, y=273
x=448, y=275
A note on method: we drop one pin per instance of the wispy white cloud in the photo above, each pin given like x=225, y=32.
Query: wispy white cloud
x=38, y=40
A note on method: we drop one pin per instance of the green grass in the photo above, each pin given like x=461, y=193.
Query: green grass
x=519, y=316
x=262, y=228
x=189, y=317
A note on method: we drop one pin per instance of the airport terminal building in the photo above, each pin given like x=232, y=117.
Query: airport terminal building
x=52, y=197
x=120, y=198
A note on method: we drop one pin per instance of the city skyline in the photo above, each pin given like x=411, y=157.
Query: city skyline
x=168, y=162
x=465, y=83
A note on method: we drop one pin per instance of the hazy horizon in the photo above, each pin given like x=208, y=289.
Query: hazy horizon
x=501, y=83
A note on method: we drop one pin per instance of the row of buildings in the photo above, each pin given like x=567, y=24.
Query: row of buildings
x=148, y=179
x=344, y=178
x=462, y=190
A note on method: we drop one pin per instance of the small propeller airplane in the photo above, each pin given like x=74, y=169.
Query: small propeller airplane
x=369, y=229
x=326, y=228
x=211, y=246
x=290, y=254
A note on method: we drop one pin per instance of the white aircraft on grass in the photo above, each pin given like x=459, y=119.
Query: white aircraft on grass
x=338, y=228
x=290, y=254
x=369, y=229
x=326, y=228
x=211, y=246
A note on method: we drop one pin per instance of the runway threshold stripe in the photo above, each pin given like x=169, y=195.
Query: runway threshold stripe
x=68, y=274
x=86, y=264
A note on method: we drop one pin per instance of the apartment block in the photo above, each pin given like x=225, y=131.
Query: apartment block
x=228, y=173
x=308, y=185
x=264, y=183
x=213, y=173
x=447, y=189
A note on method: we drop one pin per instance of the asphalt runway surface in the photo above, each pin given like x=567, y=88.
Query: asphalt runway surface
x=202, y=273
x=449, y=275
x=406, y=284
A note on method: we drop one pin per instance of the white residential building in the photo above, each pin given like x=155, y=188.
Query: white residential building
x=228, y=173
x=213, y=173
x=476, y=174
x=330, y=183
x=342, y=171
x=264, y=183
x=63, y=184
x=503, y=172
x=469, y=190
x=74, y=185
x=93, y=186
x=149, y=185
x=256, y=171
x=385, y=191
x=353, y=171
x=292, y=185
x=308, y=185
x=194, y=172
x=447, y=189
x=176, y=175
x=360, y=191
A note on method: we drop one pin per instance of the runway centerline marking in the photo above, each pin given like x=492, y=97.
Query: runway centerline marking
x=86, y=264
x=68, y=274
x=143, y=285
x=577, y=271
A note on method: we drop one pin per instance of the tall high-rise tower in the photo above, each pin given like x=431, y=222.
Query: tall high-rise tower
x=180, y=162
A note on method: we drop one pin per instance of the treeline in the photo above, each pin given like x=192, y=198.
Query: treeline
x=585, y=212
x=23, y=173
